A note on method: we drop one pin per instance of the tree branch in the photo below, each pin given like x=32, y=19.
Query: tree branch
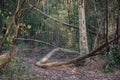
x=92, y=53
x=56, y=20
x=9, y=53
x=12, y=22
x=34, y=41
x=51, y=53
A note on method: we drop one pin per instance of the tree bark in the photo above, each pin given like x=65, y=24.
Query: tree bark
x=106, y=26
x=83, y=44
x=19, y=7
x=118, y=23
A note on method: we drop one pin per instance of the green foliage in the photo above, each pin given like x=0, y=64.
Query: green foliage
x=14, y=70
x=112, y=58
x=107, y=69
x=114, y=55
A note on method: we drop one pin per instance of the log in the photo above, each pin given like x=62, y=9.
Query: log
x=51, y=53
x=92, y=53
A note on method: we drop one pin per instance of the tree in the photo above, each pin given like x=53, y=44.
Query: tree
x=82, y=29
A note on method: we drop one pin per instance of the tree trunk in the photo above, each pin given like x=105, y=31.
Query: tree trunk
x=107, y=23
x=83, y=44
x=117, y=29
x=70, y=41
x=118, y=23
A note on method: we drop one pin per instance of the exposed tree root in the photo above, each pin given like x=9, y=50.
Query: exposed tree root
x=92, y=53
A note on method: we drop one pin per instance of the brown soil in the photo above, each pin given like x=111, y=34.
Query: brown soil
x=90, y=71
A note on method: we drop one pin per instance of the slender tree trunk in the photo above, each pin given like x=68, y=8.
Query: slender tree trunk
x=68, y=10
x=69, y=21
x=106, y=26
x=83, y=44
x=118, y=24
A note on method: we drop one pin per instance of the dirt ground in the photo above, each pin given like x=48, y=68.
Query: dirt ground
x=90, y=71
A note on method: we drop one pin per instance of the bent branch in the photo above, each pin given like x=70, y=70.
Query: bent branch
x=92, y=53
x=45, y=58
x=34, y=41
x=56, y=20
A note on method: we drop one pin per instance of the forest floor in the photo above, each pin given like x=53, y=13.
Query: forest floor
x=90, y=71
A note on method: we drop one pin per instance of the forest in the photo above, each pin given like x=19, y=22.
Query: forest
x=59, y=39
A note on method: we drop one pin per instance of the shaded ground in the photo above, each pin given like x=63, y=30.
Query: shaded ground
x=90, y=71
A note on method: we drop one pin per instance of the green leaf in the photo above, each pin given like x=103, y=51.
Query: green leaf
x=29, y=26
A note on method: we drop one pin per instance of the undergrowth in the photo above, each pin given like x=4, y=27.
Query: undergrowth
x=112, y=58
x=14, y=70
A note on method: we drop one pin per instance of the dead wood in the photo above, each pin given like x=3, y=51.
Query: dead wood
x=92, y=53
x=23, y=39
x=51, y=53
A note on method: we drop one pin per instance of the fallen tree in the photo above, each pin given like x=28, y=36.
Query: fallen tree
x=45, y=58
x=92, y=53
